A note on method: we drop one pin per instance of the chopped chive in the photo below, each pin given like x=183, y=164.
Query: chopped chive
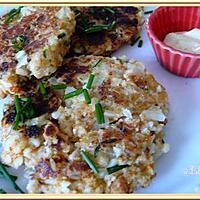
x=28, y=110
x=100, y=27
x=135, y=41
x=90, y=81
x=116, y=168
x=19, y=42
x=58, y=87
x=25, y=99
x=97, y=63
x=9, y=177
x=45, y=53
x=148, y=12
x=12, y=14
x=86, y=157
x=96, y=150
x=16, y=121
x=42, y=88
x=17, y=103
x=87, y=96
x=99, y=114
x=98, y=147
x=61, y=35
x=2, y=191
x=110, y=10
x=140, y=43
x=72, y=94
x=18, y=110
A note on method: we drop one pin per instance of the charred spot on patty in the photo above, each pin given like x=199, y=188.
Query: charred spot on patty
x=69, y=70
x=10, y=117
x=96, y=38
x=33, y=131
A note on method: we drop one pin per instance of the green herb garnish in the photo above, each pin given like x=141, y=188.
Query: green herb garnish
x=133, y=42
x=90, y=81
x=22, y=110
x=58, y=87
x=19, y=42
x=86, y=96
x=98, y=147
x=140, y=43
x=25, y=99
x=12, y=14
x=9, y=177
x=16, y=121
x=97, y=63
x=18, y=110
x=28, y=110
x=110, y=10
x=99, y=114
x=2, y=191
x=100, y=27
x=148, y=12
x=72, y=94
x=44, y=53
x=86, y=157
x=116, y=168
x=42, y=88
x=61, y=35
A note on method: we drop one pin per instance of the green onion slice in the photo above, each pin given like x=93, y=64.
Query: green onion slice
x=100, y=27
x=86, y=96
x=9, y=177
x=16, y=121
x=116, y=168
x=18, y=110
x=44, y=53
x=90, y=81
x=72, y=94
x=17, y=103
x=97, y=63
x=135, y=41
x=19, y=42
x=42, y=88
x=12, y=14
x=86, y=157
x=140, y=43
x=25, y=99
x=110, y=10
x=99, y=114
x=148, y=12
x=58, y=87
x=61, y=35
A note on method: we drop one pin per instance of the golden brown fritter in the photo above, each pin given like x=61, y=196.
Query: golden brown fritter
x=33, y=41
x=103, y=30
x=123, y=147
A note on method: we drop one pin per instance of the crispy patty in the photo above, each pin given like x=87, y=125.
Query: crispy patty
x=123, y=147
x=121, y=25
x=33, y=41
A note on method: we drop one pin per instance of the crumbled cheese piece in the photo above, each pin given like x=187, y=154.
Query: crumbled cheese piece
x=22, y=61
x=127, y=113
x=27, y=10
x=154, y=114
x=117, y=150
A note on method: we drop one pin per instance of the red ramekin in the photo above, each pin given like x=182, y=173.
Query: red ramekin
x=174, y=19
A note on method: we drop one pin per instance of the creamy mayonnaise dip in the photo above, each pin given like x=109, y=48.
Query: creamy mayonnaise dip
x=185, y=41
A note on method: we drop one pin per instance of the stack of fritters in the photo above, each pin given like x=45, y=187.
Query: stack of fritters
x=88, y=124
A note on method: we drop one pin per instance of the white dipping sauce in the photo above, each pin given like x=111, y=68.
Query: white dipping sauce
x=185, y=41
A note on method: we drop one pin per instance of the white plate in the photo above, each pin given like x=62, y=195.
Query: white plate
x=179, y=170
